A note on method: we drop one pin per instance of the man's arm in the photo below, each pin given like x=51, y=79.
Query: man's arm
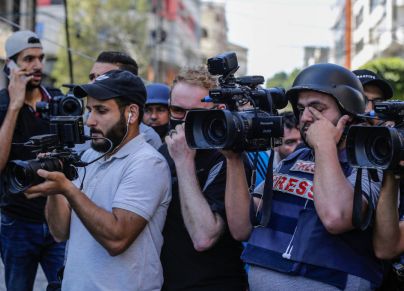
x=388, y=236
x=237, y=198
x=114, y=231
x=57, y=212
x=203, y=225
x=333, y=193
x=16, y=90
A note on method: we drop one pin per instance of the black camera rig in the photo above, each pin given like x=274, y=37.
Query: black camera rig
x=66, y=131
x=63, y=105
x=378, y=147
x=257, y=128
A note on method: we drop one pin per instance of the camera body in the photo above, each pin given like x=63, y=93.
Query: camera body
x=64, y=105
x=255, y=129
x=378, y=147
x=66, y=131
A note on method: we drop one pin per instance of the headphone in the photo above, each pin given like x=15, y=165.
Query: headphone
x=129, y=116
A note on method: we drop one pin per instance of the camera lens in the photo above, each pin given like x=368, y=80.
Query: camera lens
x=21, y=175
x=71, y=106
x=380, y=150
x=216, y=131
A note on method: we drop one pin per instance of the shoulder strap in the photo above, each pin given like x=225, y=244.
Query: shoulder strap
x=357, y=220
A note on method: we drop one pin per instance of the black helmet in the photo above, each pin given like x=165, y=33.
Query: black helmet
x=333, y=80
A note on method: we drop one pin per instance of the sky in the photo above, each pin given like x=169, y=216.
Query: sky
x=276, y=31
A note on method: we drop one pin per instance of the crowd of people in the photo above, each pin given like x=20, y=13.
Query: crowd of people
x=148, y=212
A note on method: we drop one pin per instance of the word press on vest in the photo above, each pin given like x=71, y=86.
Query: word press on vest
x=295, y=185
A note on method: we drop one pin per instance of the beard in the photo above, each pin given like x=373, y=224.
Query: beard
x=161, y=130
x=115, y=135
x=31, y=86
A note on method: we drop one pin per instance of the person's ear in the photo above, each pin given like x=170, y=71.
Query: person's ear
x=133, y=114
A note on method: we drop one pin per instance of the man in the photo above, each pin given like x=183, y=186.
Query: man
x=389, y=230
x=25, y=240
x=114, y=223
x=376, y=89
x=156, y=110
x=291, y=139
x=309, y=242
x=198, y=252
x=111, y=60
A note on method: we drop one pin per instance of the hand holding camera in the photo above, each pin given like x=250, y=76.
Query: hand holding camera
x=55, y=183
x=177, y=145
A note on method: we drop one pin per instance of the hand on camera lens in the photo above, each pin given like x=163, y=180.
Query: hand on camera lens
x=177, y=145
x=55, y=183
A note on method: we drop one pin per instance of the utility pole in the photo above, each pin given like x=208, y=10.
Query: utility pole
x=348, y=33
x=157, y=39
x=16, y=14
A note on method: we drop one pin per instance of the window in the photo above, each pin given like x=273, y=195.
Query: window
x=374, y=3
x=359, y=18
x=359, y=46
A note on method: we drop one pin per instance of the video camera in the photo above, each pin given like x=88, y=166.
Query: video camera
x=254, y=129
x=64, y=105
x=66, y=131
x=378, y=147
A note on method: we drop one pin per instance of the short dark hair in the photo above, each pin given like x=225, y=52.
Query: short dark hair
x=122, y=60
x=289, y=120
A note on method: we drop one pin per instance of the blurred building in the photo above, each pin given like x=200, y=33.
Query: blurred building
x=315, y=55
x=180, y=33
x=214, y=35
x=376, y=29
x=175, y=30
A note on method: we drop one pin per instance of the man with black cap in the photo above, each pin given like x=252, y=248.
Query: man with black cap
x=376, y=88
x=115, y=60
x=113, y=214
x=156, y=110
x=25, y=240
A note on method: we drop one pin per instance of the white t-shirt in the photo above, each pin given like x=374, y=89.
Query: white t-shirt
x=137, y=179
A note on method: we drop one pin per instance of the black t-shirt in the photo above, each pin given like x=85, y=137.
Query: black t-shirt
x=219, y=268
x=29, y=123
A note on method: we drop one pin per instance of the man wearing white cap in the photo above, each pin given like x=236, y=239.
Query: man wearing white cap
x=25, y=239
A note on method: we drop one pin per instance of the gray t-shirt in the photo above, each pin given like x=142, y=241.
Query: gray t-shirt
x=137, y=179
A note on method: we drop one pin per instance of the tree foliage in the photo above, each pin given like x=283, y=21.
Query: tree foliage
x=282, y=79
x=391, y=69
x=95, y=26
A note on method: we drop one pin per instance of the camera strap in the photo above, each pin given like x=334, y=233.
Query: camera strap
x=266, y=199
x=357, y=202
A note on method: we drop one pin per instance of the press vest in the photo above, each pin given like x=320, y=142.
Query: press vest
x=297, y=243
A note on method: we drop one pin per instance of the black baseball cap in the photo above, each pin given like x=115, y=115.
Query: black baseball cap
x=114, y=84
x=370, y=78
